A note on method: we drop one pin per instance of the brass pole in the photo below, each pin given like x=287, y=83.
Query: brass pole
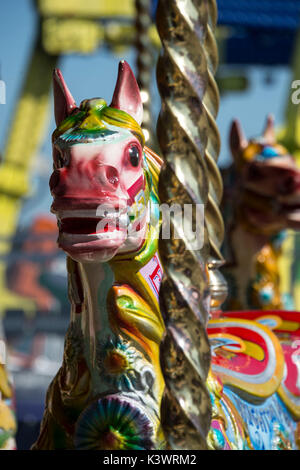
x=213, y=216
x=188, y=144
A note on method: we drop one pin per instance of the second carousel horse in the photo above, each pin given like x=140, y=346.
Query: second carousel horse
x=261, y=200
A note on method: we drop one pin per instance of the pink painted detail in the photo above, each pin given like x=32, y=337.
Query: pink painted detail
x=152, y=272
x=97, y=171
x=261, y=316
x=127, y=94
x=218, y=425
x=286, y=324
x=64, y=102
x=292, y=360
x=136, y=187
x=238, y=360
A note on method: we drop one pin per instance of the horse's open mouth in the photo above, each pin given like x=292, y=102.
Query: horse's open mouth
x=103, y=230
x=281, y=217
x=90, y=226
x=75, y=205
x=90, y=231
x=89, y=222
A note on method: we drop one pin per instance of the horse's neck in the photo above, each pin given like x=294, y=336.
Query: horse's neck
x=96, y=279
x=103, y=319
x=252, y=260
x=252, y=270
x=245, y=248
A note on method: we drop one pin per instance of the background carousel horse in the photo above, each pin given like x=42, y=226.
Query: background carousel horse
x=255, y=379
x=108, y=391
x=261, y=200
x=7, y=415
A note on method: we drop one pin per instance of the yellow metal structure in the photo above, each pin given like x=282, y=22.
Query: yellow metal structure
x=26, y=133
x=87, y=8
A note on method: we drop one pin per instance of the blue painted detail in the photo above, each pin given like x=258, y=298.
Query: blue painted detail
x=219, y=439
x=268, y=152
x=265, y=421
x=288, y=301
x=216, y=343
x=230, y=431
x=268, y=321
x=279, y=238
x=266, y=295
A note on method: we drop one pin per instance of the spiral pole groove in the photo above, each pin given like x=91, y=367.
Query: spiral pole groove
x=215, y=224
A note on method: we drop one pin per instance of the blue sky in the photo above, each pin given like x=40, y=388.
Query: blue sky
x=95, y=75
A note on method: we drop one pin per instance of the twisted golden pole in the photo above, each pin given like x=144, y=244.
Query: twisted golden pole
x=144, y=63
x=213, y=216
x=211, y=100
x=184, y=75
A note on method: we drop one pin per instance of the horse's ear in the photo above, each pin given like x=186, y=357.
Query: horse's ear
x=127, y=96
x=269, y=132
x=64, y=102
x=238, y=141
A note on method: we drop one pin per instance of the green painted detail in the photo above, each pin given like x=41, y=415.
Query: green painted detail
x=4, y=436
x=125, y=302
x=92, y=120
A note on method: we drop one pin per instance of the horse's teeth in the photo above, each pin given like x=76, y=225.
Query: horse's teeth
x=92, y=214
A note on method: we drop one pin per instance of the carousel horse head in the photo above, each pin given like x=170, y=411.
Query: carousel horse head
x=101, y=182
x=268, y=181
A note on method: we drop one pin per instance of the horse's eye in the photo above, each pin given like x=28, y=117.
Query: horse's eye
x=134, y=155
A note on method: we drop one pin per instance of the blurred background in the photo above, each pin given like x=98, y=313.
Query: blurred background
x=259, y=47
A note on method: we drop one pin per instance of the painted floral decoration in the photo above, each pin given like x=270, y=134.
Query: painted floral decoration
x=113, y=423
x=116, y=360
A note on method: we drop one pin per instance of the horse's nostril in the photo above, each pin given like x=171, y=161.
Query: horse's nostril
x=112, y=176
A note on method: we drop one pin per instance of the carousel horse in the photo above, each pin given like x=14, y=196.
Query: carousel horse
x=108, y=392
x=255, y=372
x=261, y=200
x=7, y=415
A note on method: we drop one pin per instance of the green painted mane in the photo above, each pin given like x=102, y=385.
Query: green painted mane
x=93, y=120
